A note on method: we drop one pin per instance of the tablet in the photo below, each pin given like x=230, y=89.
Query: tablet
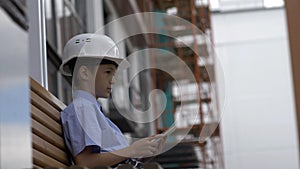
x=166, y=133
x=170, y=130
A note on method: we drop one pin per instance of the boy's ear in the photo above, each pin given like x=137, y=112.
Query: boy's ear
x=83, y=73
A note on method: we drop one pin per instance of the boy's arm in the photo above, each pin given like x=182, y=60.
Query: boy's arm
x=141, y=148
x=90, y=160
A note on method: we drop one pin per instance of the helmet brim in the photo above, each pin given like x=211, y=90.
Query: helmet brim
x=122, y=64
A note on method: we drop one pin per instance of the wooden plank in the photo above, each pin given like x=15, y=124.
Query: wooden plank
x=47, y=134
x=45, y=120
x=48, y=149
x=293, y=15
x=37, y=167
x=42, y=92
x=45, y=107
x=43, y=160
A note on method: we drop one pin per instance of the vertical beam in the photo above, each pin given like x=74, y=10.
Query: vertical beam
x=95, y=16
x=56, y=26
x=198, y=77
x=293, y=15
x=152, y=63
x=37, y=42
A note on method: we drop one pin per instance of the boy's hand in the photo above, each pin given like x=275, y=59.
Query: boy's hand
x=160, y=139
x=147, y=147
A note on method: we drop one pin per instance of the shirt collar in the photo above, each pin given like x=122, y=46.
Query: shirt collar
x=85, y=95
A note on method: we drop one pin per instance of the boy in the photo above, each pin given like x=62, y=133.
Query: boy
x=92, y=139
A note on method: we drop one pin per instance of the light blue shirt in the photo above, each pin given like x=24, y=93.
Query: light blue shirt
x=84, y=124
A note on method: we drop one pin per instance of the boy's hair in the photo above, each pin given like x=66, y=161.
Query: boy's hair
x=79, y=61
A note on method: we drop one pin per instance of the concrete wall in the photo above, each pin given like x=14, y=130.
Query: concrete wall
x=258, y=124
x=15, y=130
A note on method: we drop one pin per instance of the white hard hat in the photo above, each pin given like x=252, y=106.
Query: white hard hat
x=91, y=46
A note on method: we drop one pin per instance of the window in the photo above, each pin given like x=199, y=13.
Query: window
x=273, y=3
x=64, y=19
x=233, y=5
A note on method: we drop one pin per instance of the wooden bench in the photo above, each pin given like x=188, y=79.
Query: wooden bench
x=48, y=147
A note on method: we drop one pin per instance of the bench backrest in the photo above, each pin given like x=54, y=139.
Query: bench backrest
x=47, y=136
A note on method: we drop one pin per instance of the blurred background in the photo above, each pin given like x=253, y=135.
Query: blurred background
x=232, y=92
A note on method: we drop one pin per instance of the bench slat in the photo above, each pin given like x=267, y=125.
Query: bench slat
x=41, y=159
x=45, y=120
x=36, y=166
x=45, y=107
x=47, y=134
x=50, y=98
x=48, y=149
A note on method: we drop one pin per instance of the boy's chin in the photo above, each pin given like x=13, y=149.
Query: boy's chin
x=104, y=96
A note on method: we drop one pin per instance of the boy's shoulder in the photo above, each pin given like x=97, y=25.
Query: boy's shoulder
x=79, y=101
x=68, y=111
x=76, y=106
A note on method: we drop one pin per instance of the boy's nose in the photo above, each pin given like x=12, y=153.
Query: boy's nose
x=113, y=80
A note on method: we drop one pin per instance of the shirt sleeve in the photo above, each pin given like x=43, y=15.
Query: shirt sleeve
x=83, y=128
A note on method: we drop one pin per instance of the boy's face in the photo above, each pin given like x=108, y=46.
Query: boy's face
x=104, y=80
